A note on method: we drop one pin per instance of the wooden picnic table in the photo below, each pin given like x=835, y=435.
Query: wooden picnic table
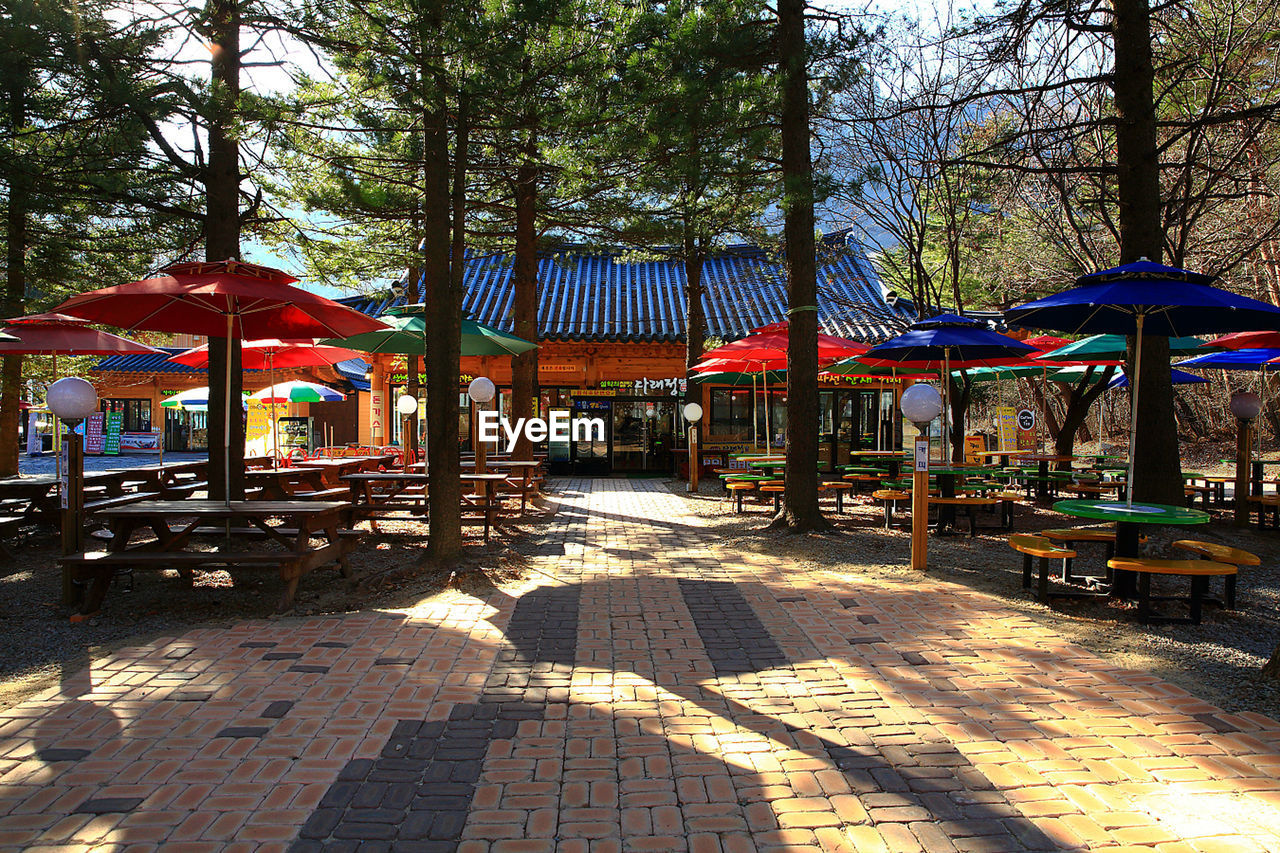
x=333, y=469
x=375, y=493
x=292, y=524
x=297, y=483
x=36, y=498
x=1042, y=461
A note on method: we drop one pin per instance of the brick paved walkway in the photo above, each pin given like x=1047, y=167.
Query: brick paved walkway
x=646, y=690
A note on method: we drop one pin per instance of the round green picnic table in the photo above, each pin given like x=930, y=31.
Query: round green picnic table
x=862, y=469
x=1128, y=518
x=776, y=466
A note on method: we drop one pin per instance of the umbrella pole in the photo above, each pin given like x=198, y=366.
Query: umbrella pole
x=57, y=426
x=275, y=440
x=755, y=418
x=226, y=421
x=768, y=433
x=1135, y=382
x=946, y=406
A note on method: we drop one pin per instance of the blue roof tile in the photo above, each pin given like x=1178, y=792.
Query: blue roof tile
x=604, y=296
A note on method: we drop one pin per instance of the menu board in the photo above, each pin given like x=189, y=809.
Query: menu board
x=111, y=445
x=94, y=440
x=1007, y=427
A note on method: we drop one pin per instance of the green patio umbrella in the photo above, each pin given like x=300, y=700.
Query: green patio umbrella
x=995, y=374
x=1112, y=348
x=408, y=336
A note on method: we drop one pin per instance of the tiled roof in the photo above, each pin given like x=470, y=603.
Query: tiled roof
x=353, y=370
x=147, y=362
x=602, y=296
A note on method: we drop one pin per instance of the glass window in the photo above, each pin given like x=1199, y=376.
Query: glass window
x=731, y=414
x=136, y=413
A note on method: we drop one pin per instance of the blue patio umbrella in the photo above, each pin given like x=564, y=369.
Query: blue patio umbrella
x=1178, y=377
x=945, y=342
x=1145, y=296
x=1240, y=359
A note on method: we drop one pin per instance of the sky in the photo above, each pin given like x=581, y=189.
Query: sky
x=273, y=79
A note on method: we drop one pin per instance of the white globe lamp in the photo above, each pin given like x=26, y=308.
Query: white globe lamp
x=481, y=389
x=407, y=404
x=921, y=404
x=692, y=412
x=72, y=399
x=1246, y=405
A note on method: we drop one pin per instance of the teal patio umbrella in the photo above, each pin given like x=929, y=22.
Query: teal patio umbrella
x=1096, y=349
x=408, y=335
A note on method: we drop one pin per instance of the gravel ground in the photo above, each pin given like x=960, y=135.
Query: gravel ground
x=40, y=644
x=1218, y=660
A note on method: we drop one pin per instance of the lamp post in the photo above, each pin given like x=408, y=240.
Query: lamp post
x=1246, y=406
x=693, y=414
x=407, y=406
x=481, y=391
x=72, y=399
x=920, y=404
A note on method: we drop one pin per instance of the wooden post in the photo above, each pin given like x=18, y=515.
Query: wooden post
x=1244, y=439
x=72, y=499
x=693, y=459
x=920, y=504
x=481, y=451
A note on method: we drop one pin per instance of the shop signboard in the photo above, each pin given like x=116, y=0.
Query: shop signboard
x=34, y=443
x=295, y=432
x=1026, y=429
x=94, y=440
x=111, y=444
x=139, y=441
x=1007, y=427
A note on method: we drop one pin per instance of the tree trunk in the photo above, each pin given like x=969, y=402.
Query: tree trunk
x=959, y=397
x=695, y=318
x=1080, y=399
x=1271, y=669
x=15, y=291
x=222, y=242
x=524, y=367
x=1157, y=470
x=800, y=510
x=412, y=363
x=1048, y=417
x=443, y=311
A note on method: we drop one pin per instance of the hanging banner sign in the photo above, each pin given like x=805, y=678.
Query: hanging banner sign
x=376, y=403
x=94, y=440
x=111, y=445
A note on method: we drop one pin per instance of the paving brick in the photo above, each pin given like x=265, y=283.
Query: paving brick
x=641, y=687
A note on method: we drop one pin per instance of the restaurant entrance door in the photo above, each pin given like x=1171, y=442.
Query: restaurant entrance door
x=589, y=454
x=851, y=420
x=643, y=435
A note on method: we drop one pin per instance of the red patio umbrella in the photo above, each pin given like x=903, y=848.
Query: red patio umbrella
x=55, y=334
x=268, y=354
x=1247, y=340
x=766, y=348
x=222, y=299
x=771, y=344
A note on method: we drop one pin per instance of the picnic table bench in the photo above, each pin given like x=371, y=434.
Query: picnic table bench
x=374, y=493
x=174, y=524
x=300, y=483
